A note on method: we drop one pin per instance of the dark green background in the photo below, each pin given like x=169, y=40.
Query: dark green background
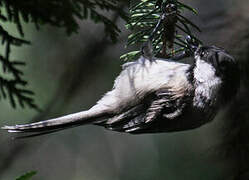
x=69, y=74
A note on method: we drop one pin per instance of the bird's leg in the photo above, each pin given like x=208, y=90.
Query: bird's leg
x=147, y=51
x=192, y=45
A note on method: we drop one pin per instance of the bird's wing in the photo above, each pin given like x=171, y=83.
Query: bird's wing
x=166, y=102
x=141, y=78
x=163, y=105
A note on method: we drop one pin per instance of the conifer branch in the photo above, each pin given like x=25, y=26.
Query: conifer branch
x=161, y=22
x=62, y=14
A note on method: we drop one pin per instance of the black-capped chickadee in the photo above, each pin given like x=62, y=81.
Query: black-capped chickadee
x=157, y=96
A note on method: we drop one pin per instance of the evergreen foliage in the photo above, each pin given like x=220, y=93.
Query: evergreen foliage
x=27, y=176
x=162, y=23
x=62, y=14
x=155, y=20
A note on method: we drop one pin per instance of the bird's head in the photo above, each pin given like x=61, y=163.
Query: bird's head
x=224, y=65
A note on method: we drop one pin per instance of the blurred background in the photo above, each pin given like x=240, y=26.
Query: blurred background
x=69, y=74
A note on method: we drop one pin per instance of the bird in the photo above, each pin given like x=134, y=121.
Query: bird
x=157, y=96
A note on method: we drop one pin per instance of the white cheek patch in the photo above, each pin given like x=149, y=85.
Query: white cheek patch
x=206, y=81
x=204, y=71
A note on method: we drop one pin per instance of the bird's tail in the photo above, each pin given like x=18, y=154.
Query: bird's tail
x=57, y=124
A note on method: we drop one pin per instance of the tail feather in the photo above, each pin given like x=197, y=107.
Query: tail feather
x=57, y=124
x=29, y=135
